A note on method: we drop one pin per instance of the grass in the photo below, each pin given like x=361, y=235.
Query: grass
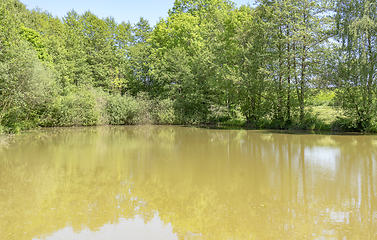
x=326, y=113
x=321, y=105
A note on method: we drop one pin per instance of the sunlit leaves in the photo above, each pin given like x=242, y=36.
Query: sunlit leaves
x=357, y=31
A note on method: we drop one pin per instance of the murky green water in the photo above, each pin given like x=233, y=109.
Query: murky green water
x=149, y=182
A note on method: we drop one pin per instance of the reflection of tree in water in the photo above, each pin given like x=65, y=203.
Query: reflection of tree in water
x=207, y=184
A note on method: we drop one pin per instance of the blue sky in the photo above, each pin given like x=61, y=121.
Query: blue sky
x=128, y=10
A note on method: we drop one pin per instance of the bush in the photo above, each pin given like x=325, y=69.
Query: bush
x=140, y=110
x=163, y=112
x=235, y=122
x=218, y=114
x=312, y=122
x=102, y=99
x=28, y=88
x=191, y=110
x=122, y=110
x=343, y=124
x=275, y=124
x=143, y=109
x=373, y=127
x=349, y=124
x=77, y=108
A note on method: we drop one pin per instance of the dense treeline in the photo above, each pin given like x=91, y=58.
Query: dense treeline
x=207, y=62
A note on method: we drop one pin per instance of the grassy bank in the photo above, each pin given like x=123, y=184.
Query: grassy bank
x=323, y=113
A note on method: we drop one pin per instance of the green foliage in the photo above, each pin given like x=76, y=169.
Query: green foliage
x=27, y=88
x=144, y=108
x=347, y=124
x=163, y=112
x=356, y=65
x=207, y=62
x=34, y=38
x=75, y=108
x=312, y=122
x=102, y=98
x=218, y=114
x=322, y=98
x=140, y=110
x=344, y=124
x=235, y=122
x=122, y=110
x=191, y=110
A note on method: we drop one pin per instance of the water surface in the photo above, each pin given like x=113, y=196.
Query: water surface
x=161, y=182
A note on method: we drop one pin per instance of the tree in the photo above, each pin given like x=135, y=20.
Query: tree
x=313, y=32
x=141, y=79
x=253, y=39
x=123, y=40
x=77, y=70
x=297, y=33
x=27, y=85
x=100, y=50
x=356, y=23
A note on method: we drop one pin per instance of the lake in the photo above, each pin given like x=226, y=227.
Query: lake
x=174, y=182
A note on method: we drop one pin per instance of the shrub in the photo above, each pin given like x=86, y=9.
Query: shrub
x=218, y=114
x=343, y=124
x=122, y=110
x=373, y=127
x=140, y=110
x=191, y=110
x=28, y=88
x=76, y=108
x=235, y=122
x=163, y=112
x=143, y=109
x=102, y=99
x=312, y=122
x=276, y=124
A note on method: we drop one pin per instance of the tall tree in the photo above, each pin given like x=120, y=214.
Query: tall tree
x=27, y=85
x=356, y=22
x=100, y=50
x=199, y=29
x=140, y=59
x=253, y=41
x=298, y=30
x=313, y=31
x=77, y=70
